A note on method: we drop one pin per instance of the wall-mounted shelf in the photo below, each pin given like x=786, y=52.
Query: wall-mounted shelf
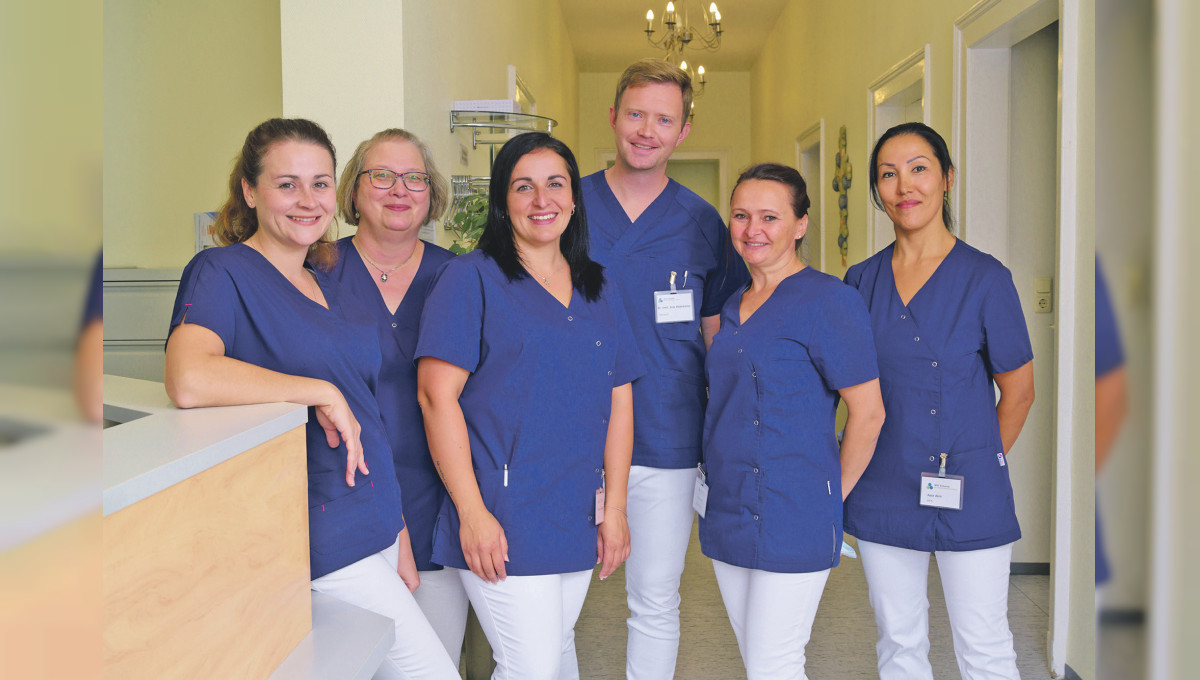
x=484, y=123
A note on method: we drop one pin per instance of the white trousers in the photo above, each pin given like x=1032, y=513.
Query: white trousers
x=660, y=527
x=530, y=622
x=772, y=616
x=444, y=602
x=373, y=584
x=975, y=583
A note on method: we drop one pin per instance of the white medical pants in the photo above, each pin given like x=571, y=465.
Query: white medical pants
x=530, y=622
x=660, y=527
x=975, y=583
x=444, y=603
x=772, y=616
x=373, y=584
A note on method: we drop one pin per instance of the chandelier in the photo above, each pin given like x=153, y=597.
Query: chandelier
x=679, y=33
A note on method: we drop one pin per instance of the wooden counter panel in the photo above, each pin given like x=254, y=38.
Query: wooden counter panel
x=209, y=578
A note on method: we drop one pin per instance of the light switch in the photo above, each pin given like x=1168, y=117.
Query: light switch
x=1043, y=294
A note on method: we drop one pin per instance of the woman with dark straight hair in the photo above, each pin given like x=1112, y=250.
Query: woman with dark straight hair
x=949, y=329
x=525, y=360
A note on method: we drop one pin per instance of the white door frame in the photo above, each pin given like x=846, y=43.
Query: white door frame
x=815, y=135
x=983, y=38
x=906, y=72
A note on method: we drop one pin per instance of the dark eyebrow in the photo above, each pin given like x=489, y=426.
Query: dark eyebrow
x=297, y=177
x=882, y=163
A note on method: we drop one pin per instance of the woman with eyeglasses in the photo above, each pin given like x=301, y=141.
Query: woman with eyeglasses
x=261, y=320
x=526, y=360
x=389, y=189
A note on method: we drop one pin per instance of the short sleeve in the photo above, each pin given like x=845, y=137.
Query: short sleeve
x=1006, y=339
x=207, y=297
x=842, y=346
x=1109, y=353
x=853, y=276
x=730, y=274
x=452, y=321
x=629, y=359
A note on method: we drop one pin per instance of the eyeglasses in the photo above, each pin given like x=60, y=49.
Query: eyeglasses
x=386, y=179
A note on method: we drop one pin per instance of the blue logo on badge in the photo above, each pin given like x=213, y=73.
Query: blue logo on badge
x=930, y=486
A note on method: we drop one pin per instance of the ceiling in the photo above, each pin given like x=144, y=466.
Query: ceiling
x=609, y=34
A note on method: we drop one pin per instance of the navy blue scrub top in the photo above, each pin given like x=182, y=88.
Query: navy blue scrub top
x=770, y=448
x=94, y=307
x=937, y=356
x=397, y=390
x=538, y=400
x=1109, y=357
x=263, y=320
x=678, y=232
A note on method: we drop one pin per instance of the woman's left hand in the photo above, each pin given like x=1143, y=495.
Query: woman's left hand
x=612, y=541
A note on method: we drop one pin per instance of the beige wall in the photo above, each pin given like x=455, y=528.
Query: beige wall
x=183, y=84
x=50, y=130
x=817, y=64
x=461, y=50
x=342, y=66
x=721, y=126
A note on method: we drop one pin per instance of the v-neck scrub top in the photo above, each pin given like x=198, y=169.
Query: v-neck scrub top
x=678, y=232
x=263, y=320
x=397, y=389
x=537, y=400
x=770, y=448
x=937, y=356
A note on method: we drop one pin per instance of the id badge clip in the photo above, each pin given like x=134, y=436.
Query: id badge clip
x=942, y=490
x=700, y=494
x=672, y=306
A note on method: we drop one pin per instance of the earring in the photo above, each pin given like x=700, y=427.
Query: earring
x=572, y=210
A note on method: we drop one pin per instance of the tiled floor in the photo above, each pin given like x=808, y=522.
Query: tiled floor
x=843, y=640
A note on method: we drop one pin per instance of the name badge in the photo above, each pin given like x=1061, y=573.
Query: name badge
x=941, y=492
x=599, y=506
x=700, y=495
x=671, y=306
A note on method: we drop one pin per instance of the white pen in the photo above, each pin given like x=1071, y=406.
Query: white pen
x=685, y=278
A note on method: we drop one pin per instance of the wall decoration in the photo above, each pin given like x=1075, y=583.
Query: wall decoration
x=841, y=184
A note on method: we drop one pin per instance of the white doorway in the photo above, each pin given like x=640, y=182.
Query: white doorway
x=1007, y=142
x=810, y=161
x=897, y=96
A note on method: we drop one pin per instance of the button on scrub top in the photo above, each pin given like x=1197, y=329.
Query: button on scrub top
x=397, y=389
x=538, y=400
x=770, y=448
x=937, y=356
x=263, y=320
x=678, y=232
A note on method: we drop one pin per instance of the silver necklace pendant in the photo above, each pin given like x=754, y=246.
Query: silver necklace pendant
x=383, y=277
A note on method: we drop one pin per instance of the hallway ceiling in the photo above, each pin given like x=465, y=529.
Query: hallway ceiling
x=609, y=34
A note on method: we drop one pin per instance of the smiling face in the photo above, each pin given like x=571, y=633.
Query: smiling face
x=539, y=199
x=294, y=196
x=912, y=184
x=394, y=210
x=763, y=224
x=649, y=124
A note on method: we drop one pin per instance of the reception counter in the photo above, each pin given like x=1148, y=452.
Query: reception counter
x=205, y=531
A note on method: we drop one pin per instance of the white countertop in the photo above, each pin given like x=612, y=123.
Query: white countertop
x=157, y=445
x=49, y=463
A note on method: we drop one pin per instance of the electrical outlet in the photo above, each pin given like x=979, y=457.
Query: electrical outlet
x=1043, y=294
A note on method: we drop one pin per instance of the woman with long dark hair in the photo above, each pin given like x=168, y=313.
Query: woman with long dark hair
x=948, y=327
x=525, y=364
